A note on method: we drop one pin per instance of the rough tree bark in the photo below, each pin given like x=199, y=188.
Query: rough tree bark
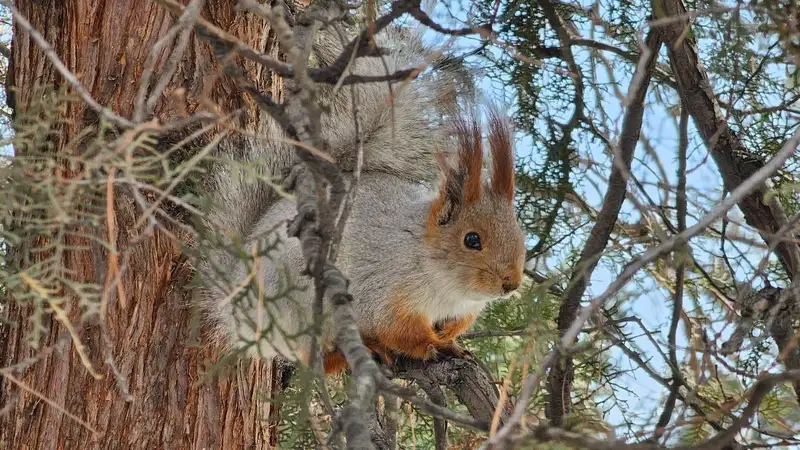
x=106, y=42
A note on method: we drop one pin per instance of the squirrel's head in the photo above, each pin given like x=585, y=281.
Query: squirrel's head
x=472, y=224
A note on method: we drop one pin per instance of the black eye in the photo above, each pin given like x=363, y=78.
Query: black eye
x=473, y=241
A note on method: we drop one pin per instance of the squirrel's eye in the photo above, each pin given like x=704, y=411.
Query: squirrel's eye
x=472, y=241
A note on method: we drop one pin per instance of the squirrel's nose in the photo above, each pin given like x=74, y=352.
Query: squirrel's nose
x=509, y=286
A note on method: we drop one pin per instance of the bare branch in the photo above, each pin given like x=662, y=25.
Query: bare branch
x=736, y=164
x=561, y=375
x=680, y=278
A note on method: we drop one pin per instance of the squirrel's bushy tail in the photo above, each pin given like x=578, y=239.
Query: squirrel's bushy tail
x=399, y=128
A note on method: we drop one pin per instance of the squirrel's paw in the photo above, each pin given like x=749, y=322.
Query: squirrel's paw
x=385, y=359
x=431, y=353
x=382, y=356
x=453, y=350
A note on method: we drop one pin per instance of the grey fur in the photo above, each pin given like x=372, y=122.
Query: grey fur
x=399, y=134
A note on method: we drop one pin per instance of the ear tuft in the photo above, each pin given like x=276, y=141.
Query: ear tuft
x=470, y=155
x=461, y=185
x=502, y=156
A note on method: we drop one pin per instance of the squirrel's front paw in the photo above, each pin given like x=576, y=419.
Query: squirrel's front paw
x=431, y=353
x=454, y=350
x=383, y=356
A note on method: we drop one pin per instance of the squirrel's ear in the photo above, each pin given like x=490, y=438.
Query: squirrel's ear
x=451, y=195
x=502, y=183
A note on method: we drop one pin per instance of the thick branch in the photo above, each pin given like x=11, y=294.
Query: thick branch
x=735, y=162
x=473, y=387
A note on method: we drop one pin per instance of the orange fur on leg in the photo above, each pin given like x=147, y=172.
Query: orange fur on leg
x=410, y=333
x=376, y=348
x=413, y=337
x=454, y=328
x=450, y=330
x=334, y=363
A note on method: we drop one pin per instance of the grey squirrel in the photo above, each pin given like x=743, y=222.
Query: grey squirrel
x=422, y=261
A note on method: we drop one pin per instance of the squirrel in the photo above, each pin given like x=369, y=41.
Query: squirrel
x=422, y=260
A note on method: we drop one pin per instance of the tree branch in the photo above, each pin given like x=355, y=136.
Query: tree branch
x=472, y=385
x=559, y=383
x=735, y=162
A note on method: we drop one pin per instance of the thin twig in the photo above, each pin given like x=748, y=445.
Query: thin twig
x=680, y=277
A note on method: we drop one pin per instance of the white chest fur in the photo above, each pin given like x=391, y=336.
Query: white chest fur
x=449, y=299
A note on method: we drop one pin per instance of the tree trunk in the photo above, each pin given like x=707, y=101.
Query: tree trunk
x=106, y=43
